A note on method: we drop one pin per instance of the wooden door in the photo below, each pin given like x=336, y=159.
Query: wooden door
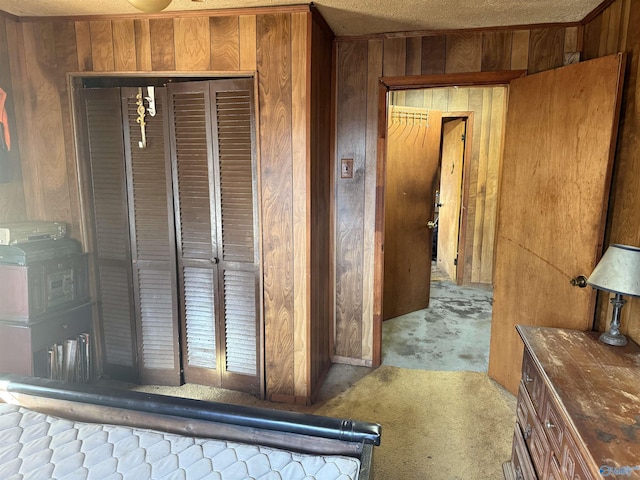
x=413, y=154
x=213, y=149
x=100, y=132
x=559, y=146
x=152, y=237
x=453, y=134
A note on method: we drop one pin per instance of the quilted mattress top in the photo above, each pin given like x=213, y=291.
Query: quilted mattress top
x=39, y=446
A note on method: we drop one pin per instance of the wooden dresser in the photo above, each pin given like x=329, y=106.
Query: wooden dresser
x=578, y=411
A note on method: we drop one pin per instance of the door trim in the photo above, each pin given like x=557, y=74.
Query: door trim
x=386, y=85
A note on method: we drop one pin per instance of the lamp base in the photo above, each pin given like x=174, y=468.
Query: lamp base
x=609, y=338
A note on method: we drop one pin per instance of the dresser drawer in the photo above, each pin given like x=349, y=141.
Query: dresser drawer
x=533, y=433
x=572, y=465
x=553, y=425
x=533, y=383
x=520, y=460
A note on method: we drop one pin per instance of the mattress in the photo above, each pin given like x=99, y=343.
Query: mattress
x=38, y=446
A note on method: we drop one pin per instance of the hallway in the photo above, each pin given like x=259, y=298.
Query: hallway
x=452, y=334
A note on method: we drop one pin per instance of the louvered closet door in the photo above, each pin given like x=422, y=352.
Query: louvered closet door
x=213, y=145
x=102, y=129
x=152, y=241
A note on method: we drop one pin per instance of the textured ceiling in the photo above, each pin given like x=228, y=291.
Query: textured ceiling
x=354, y=17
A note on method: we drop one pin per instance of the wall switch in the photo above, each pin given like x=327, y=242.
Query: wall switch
x=346, y=168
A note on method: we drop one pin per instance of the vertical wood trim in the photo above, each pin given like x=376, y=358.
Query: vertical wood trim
x=192, y=43
x=300, y=133
x=102, y=46
x=464, y=53
x=83, y=42
x=162, y=44
x=143, y=44
x=225, y=43
x=124, y=45
x=247, y=34
x=483, y=161
x=274, y=83
x=520, y=50
x=375, y=49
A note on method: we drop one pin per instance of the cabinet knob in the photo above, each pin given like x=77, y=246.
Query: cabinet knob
x=519, y=475
x=527, y=432
x=549, y=425
x=527, y=378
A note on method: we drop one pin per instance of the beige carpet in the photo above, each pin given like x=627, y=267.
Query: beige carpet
x=435, y=425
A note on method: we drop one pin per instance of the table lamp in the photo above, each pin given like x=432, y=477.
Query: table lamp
x=618, y=271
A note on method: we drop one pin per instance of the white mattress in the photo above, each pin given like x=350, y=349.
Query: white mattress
x=38, y=446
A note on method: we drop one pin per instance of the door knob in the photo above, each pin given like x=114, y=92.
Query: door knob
x=580, y=281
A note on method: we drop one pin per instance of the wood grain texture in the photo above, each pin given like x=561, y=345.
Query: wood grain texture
x=102, y=46
x=83, y=43
x=520, y=49
x=496, y=50
x=192, y=43
x=434, y=54
x=300, y=157
x=546, y=47
x=225, y=43
x=352, y=61
x=247, y=34
x=464, y=52
x=124, y=45
x=275, y=86
x=551, y=249
x=163, y=56
x=143, y=44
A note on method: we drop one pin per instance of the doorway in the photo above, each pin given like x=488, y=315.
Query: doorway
x=457, y=101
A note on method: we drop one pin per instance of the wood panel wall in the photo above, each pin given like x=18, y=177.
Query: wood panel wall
x=488, y=105
x=360, y=62
x=274, y=43
x=614, y=30
x=12, y=201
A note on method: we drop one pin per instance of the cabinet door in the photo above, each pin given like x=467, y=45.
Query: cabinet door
x=100, y=127
x=148, y=170
x=213, y=153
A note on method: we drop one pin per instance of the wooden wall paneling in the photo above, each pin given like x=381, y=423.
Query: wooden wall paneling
x=496, y=135
x=12, y=201
x=374, y=72
x=440, y=99
x=496, y=50
x=615, y=24
x=163, y=53
x=83, y=45
x=321, y=196
x=124, y=45
x=394, y=59
x=476, y=105
x=592, y=38
x=352, y=60
x=44, y=111
x=464, y=52
x=520, y=49
x=300, y=150
x=571, y=50
x=143, y=44
x=247, y=36
x=483, y=161
x=225, y=43
x=102, y=45
x=546, y=47
x=604, y=34
x=67, y=61
x=413, y=98
x=458, y=100
x=273, y=32
x=434, y=54
x=191, y=36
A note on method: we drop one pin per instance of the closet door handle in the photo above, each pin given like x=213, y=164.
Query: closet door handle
x=215, y=260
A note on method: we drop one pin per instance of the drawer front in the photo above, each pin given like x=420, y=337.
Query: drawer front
x=554, y=468
x=522, y=466
x=533, y=383
x=573, y=466
x=533, y=434
x=61, y=326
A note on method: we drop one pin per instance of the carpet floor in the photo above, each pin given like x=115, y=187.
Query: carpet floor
x=435, y=425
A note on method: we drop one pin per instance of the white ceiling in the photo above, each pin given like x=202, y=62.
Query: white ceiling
x=354, y=17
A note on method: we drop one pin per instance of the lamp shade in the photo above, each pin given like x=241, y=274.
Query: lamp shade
x=618, y=271
x=150, y=5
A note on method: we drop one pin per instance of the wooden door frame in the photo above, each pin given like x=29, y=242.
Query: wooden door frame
x=386, y=85
x=464, y=196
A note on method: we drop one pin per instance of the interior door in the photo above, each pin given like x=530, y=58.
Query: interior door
x=413, y=154
x=450, y=195
x=559, y=146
